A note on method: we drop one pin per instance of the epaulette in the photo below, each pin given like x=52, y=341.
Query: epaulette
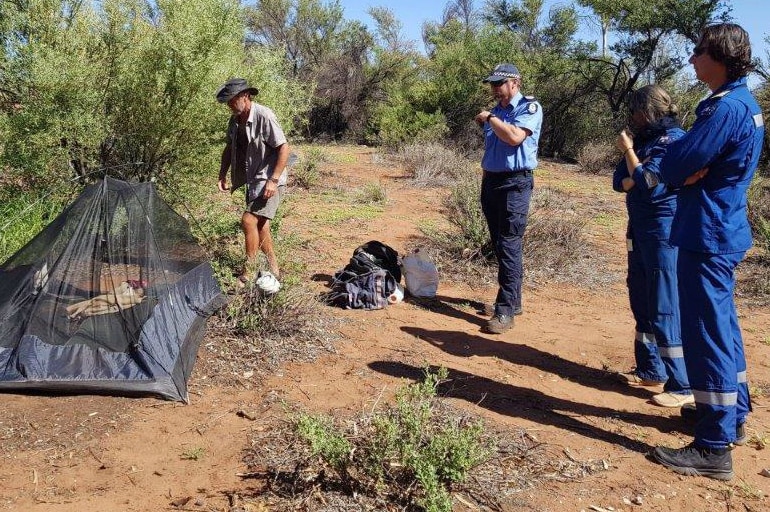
x=531, y=103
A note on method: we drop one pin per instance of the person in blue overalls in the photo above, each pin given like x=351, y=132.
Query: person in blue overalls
x=651, y=280
x=714, y=164
x=511, y=134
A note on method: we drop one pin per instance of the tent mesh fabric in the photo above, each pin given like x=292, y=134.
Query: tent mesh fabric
x=111, y=297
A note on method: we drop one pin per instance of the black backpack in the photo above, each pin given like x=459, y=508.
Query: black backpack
x=376, y=254
x=368, y=279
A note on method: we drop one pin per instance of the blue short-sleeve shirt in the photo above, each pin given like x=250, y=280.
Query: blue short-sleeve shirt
x=524, y=112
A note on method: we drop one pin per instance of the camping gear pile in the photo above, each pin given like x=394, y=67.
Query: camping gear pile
x=111, y=297
x=371, y=280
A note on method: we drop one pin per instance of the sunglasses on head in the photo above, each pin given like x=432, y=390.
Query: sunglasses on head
x=699, y=50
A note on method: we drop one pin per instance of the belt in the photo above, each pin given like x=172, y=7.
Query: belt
x=508, y=174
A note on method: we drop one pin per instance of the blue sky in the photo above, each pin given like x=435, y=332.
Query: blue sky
x=412, y=14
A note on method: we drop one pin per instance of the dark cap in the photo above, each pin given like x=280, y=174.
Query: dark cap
x=502, y=72
x=233, y=88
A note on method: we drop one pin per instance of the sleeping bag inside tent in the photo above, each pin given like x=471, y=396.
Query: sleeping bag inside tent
x=112, y=297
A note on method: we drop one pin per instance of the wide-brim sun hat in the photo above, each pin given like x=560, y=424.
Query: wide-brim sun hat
x=233, y=88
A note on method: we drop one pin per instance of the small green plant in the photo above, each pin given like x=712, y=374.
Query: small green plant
x=329, y=444
x=193, y=454
x=373, y=193
x=411, y=449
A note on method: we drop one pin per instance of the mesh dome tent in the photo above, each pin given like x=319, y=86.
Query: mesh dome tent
x=112, y=297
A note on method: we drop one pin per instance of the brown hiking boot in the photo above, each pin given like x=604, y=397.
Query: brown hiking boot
x=489, y=310
x=498, y=324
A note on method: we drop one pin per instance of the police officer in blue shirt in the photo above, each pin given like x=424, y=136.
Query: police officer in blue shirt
x=715, y=161
x=511, y=134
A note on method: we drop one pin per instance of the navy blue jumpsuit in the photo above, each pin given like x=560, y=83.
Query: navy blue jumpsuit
x=651, y=280
x=712, y=232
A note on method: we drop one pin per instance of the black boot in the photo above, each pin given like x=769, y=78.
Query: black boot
x=692, y=460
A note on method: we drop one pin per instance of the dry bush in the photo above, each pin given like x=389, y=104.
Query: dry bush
x=433, y=165
x=556, y=247
x=753, y=279
x=759, y=211
x=598, y=158
x=256, y=333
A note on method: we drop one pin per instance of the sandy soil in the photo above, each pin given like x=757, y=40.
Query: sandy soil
x=552, y=375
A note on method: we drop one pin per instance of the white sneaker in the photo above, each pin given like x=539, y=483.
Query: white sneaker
x=673, y=399
x=267, y=283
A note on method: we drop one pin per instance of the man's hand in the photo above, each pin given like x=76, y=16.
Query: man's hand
x=481, y=117
x=271, y=189
x=697, y=176
x=223, y=185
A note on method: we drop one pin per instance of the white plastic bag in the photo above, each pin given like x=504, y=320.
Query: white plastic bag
x=420, y=274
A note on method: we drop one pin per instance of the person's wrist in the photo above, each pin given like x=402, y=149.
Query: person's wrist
x=274, y=180
x=490, y=116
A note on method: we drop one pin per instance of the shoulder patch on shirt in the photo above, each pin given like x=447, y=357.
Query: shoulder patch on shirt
x=758, y=120
x=665, y=139
x=532, y=108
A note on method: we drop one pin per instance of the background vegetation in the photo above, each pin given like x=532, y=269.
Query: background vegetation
x=125, y=87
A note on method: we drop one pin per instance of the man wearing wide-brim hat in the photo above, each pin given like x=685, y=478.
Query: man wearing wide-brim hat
x=511, y=134
x=256, y=154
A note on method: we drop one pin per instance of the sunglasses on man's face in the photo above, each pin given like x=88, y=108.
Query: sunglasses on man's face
x=499, y=83
x=699, y=50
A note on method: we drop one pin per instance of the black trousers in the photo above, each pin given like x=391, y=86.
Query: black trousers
x=505, y=199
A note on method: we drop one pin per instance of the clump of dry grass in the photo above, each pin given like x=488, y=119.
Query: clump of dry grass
x=556, y=247
x=256, y=333
x=753, y=279
x=597, y=158
x=433, y=165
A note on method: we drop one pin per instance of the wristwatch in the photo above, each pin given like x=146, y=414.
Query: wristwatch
x=490, y=116
x=274, y=180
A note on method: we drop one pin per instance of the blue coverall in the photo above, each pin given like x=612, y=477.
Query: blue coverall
x=506, y=190
x=651, y=280
x=712, y=232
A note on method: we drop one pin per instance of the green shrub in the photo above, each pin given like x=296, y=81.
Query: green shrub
x=411, y=450
x=372, y=193
x=400, y=123
x=24, y=215
x=324, y=440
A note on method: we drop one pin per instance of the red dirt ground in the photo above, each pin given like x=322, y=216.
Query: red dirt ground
x=548, y=375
